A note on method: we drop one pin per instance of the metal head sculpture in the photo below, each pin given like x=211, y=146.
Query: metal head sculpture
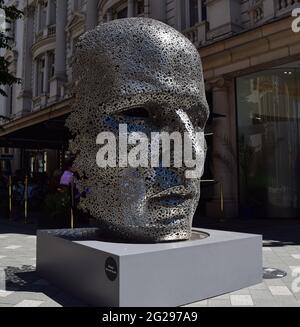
x=145, y=75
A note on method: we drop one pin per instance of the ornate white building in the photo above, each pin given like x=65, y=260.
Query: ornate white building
x=236, y=39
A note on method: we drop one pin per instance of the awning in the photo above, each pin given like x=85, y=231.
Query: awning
x=42, y=129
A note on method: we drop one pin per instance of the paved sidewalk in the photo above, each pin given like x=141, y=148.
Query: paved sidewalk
x=21, y=287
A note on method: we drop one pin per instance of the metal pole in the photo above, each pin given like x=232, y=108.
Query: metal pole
x=26, y=199
x=72, y=203
x=10, y=197
x=221, y=199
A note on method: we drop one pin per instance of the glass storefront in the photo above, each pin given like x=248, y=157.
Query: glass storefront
x=268, y=109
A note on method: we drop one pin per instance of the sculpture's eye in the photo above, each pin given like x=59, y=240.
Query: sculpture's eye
x=137, y=112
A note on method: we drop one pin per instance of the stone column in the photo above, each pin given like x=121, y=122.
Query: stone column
x=224, y=143
x=130, y=8
x=91, y=15
x=108, y=16
x=60, y=47
x=28, y=31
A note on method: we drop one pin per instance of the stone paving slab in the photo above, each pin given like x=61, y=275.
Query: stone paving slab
x=20, y=286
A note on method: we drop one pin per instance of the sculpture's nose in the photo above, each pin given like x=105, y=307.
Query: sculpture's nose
x=193, y=143
x=179, y=149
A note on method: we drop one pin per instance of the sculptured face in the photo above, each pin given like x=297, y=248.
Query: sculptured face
x=142, y=73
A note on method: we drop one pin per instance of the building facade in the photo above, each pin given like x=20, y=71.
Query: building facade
x=251, y=62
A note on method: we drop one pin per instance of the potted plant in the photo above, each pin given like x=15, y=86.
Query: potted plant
x=57, y=209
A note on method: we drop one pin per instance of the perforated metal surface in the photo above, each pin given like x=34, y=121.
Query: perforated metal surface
x=137, y=63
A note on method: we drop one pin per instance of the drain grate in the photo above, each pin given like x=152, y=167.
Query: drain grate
x=273, y=273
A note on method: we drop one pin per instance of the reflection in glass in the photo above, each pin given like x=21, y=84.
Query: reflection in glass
x=268, y=106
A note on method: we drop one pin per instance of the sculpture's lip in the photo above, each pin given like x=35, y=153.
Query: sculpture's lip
x=172, y=197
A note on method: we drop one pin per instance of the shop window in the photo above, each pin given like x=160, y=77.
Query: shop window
x=268, y=108
x=37, y=162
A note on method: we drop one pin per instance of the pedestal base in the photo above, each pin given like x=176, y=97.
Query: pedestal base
x=165, y=274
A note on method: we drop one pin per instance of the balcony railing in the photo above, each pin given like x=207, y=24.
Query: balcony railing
x=36, y=102
x=49, y=31
x=287, y=4
x=197, y=33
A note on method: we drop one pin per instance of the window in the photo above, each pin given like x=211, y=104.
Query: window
x=78, y=4
x=122, y=13
x=13, y=31
x=190, y=13
x=140, y=7
x=53, y=12
x=194, y=17
x=10, y=100
x=51, y=64
x=203, y=11
x=43, y=15
x=40, y=75
x=268, y=107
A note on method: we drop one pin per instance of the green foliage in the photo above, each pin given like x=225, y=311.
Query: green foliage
x=11, y=14
x=58, y=204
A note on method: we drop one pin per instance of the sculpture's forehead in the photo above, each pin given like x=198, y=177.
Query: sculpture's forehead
x=132, y=38
x=134, y=56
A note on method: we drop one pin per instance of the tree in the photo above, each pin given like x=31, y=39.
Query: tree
x=8, y=14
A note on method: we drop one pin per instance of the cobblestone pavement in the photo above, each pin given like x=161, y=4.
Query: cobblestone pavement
x=21, y=287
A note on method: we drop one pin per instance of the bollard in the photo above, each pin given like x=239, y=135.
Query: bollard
x=26, y=199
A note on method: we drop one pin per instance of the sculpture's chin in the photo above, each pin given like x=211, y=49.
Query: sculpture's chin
x=151, y=234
